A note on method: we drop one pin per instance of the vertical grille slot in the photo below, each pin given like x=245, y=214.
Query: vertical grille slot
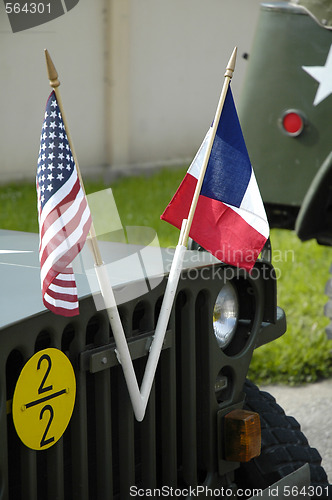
x=146, y=445
x=79, y=437
x=203, y=317
x=186, y=366
x=29, y=473
x=13, y=468
x=103, y=424
x=166, y=425
x=54, y=473
x=126, y=442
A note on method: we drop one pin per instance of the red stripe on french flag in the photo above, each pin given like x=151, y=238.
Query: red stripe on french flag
x=216, y=227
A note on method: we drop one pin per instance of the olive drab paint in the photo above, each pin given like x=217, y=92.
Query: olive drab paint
x=290, y=71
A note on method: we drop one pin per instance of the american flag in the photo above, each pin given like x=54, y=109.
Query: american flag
x=63, y=212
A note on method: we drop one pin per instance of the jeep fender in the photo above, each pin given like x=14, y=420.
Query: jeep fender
x=314, y=219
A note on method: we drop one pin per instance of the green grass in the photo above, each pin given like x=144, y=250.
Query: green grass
x=140, y=201
x=18, y=207
x=303, y=354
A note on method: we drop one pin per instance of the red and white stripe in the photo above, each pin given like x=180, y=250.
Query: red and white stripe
x=64, y=225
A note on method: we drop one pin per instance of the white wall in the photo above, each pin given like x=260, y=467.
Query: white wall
x=140, y=79
x=75, y=42
x=179, y=51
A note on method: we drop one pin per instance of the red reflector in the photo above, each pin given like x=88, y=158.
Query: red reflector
x=293, y=123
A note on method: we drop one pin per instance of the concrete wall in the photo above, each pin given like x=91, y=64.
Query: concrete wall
x=140, y=79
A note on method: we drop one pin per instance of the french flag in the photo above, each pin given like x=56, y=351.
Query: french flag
x=230, y=220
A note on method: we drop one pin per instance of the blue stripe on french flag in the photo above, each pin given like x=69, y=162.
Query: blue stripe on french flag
x=230, y=219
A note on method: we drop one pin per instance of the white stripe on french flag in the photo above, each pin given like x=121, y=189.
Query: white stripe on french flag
x=230, y=219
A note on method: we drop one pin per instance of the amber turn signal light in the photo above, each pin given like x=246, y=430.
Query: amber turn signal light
x=242, y=435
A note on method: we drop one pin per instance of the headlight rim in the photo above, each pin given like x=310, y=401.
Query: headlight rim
x=224, y=338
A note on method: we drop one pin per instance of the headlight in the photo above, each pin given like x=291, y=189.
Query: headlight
x=225, y=315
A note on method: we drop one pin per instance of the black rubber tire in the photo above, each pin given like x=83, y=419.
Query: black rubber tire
x=284, y=447
x=328, y=307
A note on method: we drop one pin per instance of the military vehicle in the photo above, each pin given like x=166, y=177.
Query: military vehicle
x=207, y=431
x=285, y=117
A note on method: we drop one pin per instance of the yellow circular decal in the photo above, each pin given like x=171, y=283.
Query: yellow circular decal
x=44, y=399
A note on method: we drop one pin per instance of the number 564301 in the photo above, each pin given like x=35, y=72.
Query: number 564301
x=28, y=8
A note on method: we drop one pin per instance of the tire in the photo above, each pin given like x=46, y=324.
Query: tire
x=328, y=307
x=284, y=447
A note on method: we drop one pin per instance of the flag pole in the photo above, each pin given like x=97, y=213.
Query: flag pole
x=104, y=283
x=176, y=267
x=55, y=84
x=164, y=315
x=228, y=76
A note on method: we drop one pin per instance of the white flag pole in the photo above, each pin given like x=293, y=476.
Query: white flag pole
x=180, y=250
x=165, y=311
x=140, y=397
x=101, y=272
x=55, y=84
x=123, y=353
x=228, y=76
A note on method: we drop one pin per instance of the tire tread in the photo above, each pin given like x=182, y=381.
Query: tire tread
x=284, y=447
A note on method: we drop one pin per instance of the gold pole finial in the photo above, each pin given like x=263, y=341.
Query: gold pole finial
x=51, y=71
x=231, y=64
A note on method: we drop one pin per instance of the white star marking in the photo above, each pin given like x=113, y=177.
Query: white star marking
x=323, y=75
